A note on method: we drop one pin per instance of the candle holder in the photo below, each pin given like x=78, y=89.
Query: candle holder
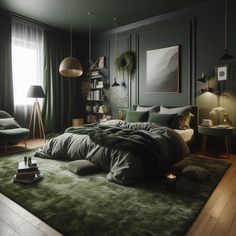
x=29, y=161
x=171, y=182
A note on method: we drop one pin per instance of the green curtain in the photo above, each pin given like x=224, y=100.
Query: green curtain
x=6, y=84
x=61, y=102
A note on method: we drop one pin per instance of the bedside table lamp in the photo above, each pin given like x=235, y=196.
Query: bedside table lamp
x=36, y=91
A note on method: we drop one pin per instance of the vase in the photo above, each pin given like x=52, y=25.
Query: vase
x=121, y=115
x=95, y=108
x=88, y=108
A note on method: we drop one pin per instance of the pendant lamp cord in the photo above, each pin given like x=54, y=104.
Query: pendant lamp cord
x=90, y=41
x=70, y=30
x=115, y=20
x=226, y=24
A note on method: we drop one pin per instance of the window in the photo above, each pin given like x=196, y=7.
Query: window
x=27, y=59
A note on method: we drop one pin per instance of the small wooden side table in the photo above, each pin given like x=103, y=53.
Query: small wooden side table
x=226, y=133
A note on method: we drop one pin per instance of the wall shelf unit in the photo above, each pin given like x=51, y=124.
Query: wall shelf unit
x=97, y=101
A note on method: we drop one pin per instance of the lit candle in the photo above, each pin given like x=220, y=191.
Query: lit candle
x=171, y=182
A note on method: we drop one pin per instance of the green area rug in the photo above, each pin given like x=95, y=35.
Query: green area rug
x=93, y=206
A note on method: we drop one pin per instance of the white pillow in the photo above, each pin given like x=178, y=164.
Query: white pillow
x=114, y=122
x=141, y=108
x=183, y=111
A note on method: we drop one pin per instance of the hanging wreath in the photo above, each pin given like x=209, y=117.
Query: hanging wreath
x=126, y=62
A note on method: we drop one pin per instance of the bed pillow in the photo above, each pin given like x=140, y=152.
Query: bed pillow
x=82, y=167
x=162, y=119
x=137, y=116
x=143, y=108
x=114, y=122
x=8, y=123
x=195, y=172
x=181, y=121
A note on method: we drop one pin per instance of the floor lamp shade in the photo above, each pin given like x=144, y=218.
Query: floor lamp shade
x=35, y=91
x=70, y=67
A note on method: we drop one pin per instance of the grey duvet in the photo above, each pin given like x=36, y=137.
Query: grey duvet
x=126, y=151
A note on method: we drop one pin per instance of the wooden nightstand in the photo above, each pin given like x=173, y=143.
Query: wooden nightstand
x=217, y=131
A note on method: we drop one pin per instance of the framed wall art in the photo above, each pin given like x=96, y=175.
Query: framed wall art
x=222, y=73
x=162, y=70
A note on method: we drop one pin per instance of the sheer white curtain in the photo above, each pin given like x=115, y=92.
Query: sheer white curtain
x=27, y=62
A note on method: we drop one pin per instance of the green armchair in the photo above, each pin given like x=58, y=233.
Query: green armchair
x=11, y=131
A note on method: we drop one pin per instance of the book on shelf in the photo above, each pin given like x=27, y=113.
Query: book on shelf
x=99, y=84
x=95, y=72
x=94, y=95
x=96, y=76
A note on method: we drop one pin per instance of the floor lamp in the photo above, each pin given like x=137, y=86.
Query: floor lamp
x=36, y=91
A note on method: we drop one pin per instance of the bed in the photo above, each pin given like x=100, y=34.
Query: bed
x=126, y=151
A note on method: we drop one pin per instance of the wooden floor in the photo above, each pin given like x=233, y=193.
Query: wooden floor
x=218, y=217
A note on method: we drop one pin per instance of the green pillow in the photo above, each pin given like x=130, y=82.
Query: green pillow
x=162, y=119
x=8, y=123
x=195, y=172
x=82, y=167
x=137, y=116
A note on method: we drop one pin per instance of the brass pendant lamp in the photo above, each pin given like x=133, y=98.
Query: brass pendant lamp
x=70, y=66
x=226, y=55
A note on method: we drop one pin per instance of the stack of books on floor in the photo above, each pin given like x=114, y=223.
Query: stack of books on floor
x=27, y=172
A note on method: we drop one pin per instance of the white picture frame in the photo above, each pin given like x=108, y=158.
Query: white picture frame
x=222, y=73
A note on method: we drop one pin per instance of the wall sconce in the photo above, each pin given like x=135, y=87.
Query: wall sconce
x=115, y=84
x=210, y=90
x=202, y=78
x=205, y=79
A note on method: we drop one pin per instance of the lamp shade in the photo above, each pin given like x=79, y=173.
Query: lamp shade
x=35, y=91
x=226, y=56
x=70, y=67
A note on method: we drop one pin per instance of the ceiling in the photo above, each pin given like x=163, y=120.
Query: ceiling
x=56, y=12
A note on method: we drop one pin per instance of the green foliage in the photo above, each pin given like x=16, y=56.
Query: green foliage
x=86, y=87
x=126, y=62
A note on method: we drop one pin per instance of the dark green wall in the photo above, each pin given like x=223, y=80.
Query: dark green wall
x=199, y=31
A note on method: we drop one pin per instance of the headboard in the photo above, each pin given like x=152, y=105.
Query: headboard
x=194, y=111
